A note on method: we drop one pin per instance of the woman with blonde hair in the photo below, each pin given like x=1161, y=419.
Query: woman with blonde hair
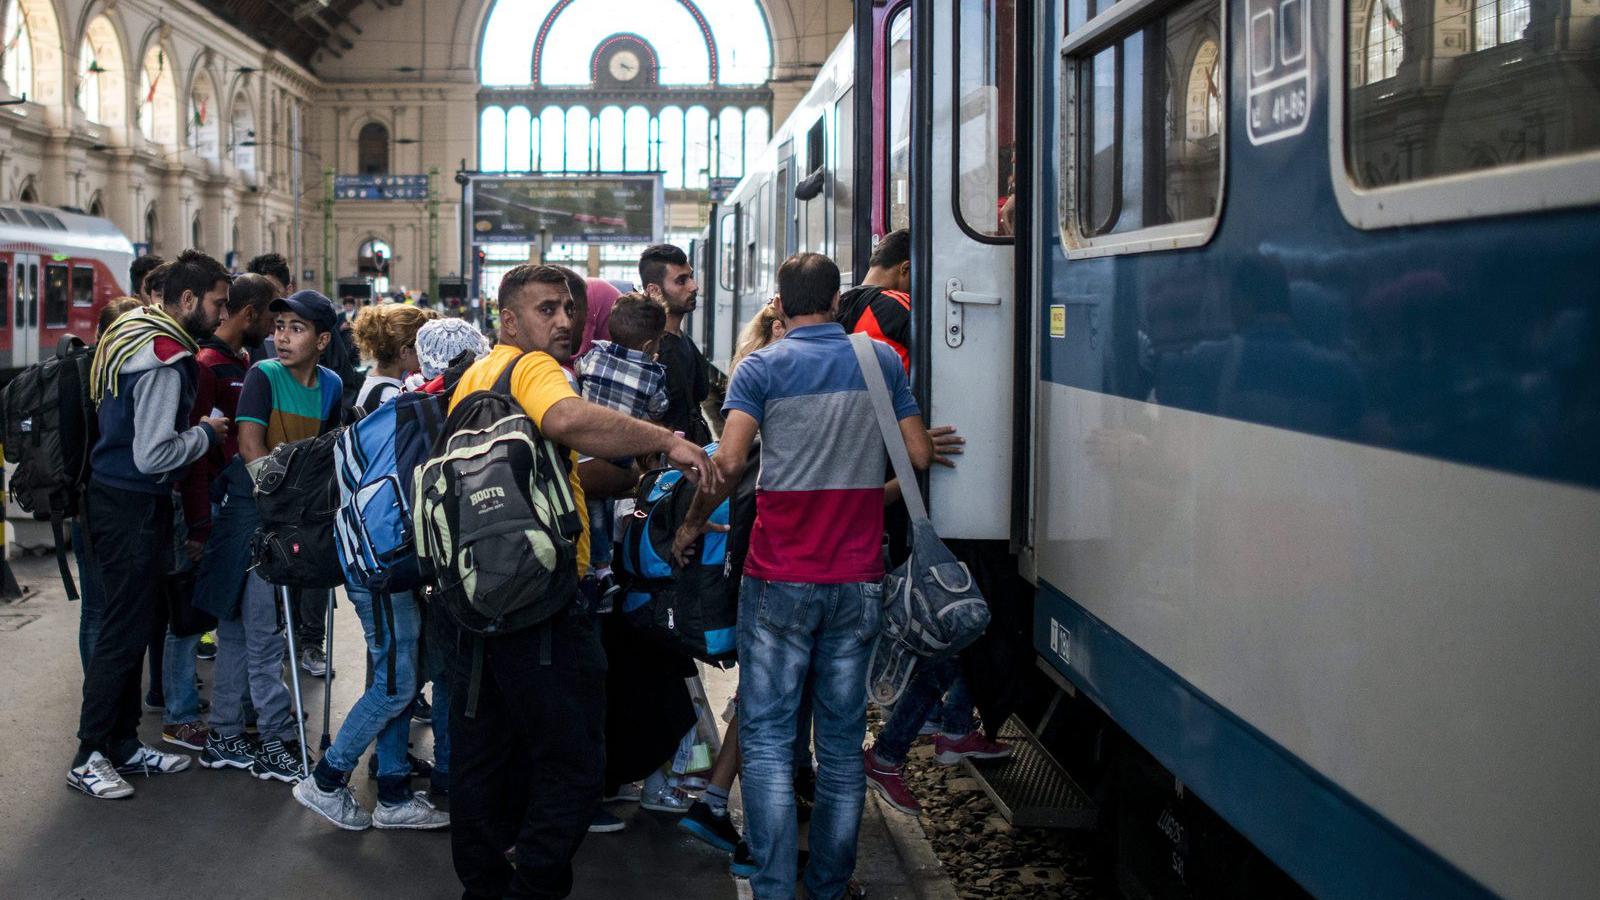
x=763, y=328
x=387, y=335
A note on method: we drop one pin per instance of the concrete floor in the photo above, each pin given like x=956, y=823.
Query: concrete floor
x=223, y=834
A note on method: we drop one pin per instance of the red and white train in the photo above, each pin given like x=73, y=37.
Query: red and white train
x=58, y=269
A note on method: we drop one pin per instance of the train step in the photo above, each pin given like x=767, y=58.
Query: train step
x=1030, y=788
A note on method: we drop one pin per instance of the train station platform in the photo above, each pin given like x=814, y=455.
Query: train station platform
x=224, y=834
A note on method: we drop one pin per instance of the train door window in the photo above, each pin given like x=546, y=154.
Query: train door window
x=728, y=247
x=898, y=131
x=56, y=284
x=782, y=203
x=1490, y=111
x=752, y=231
x=1143, y=125
x=82, y=286
x=844, y=179
x=5, y=291
x=813, y=188
x=986, y=144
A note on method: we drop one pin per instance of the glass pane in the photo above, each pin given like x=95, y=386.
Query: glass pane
x=780, y=212
x=578, y=159
x=492, y=140
x=519, y=140
x=55, y=296
x=672, y=146
x=986, y=69
x=756, y=125
x=844, y=179
x=1150, y=149
x=552, y=140
x=697, y=137
x=1513, y=99
x=612, y=137
x=5, y=294
x=637, y=138
x=899, y=130
x=82, y=286
x=752, y=230
x=727, y=238
x=730, y=142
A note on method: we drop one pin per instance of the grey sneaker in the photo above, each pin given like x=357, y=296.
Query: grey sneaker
x=280, y=760
x=417, y=814
x=149, y=761
x=337, y=806
x=99, y=778
x=314, y=662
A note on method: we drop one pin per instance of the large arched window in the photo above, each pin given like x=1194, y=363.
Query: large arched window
x=150, y=229
x=203, y=115
x=242, y=133
x=158, y=99
x=1385, y=39
x=16, y=68
x=102, y=83
x=372, y=149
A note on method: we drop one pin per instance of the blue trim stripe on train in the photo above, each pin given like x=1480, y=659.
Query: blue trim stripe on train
x=1331, y=843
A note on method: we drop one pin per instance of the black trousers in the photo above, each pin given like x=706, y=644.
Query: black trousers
x=526, y=767
x=132, y=538
x=311, y=617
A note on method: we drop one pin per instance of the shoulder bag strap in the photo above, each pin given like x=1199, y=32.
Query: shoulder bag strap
x=878, y=390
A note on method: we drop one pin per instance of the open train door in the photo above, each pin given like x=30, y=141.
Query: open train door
x=963, y=67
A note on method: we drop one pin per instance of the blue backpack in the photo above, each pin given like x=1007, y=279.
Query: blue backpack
x=375, y=463
x=695, y=608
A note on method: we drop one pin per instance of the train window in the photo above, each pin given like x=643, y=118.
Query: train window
x=986, y=144
x=728, y=246
x=56, y=280
x=1505, y=92
x=5, y=292
x=898, y=165
x=780, y=216
x=844, y=180
x=816, y=146
x=82, y=286
x=1143, y=128
x=752, y=233
x=33, y=219
x=12, y=216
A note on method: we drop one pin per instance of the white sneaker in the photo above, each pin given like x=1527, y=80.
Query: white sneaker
x=150, y=761
x=99, y=778
x=417, y=814
x=668, y=800
x=337, y=806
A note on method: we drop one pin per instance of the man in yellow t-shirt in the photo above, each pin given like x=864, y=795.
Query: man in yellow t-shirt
x=540, y=706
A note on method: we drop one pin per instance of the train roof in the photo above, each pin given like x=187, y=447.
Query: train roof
x=48, y=228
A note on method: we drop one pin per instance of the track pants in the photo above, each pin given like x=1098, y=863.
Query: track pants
x=527, y=758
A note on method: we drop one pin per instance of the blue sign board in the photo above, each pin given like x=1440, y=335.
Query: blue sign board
x=380, y=187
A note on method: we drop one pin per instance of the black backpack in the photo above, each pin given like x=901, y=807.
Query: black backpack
x=495, y=522
x=297, y=497
x=50, y=429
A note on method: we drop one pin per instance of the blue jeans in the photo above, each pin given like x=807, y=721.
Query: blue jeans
x=790, y=634
x=930, y=682
x=93, y=594
x=380, y=713
x=600, y=516
x=177, y=679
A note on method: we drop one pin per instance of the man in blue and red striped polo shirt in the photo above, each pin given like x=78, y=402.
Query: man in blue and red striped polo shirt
x=810, y=603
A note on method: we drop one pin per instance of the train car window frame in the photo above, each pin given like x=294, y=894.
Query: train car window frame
x=1557, y=182
x=891, y=176
x=5, y=293
x=844, y=186
x=86, y=297
x=1108, y=29
x=727, y=245
x=980, y=234
x=57, y=298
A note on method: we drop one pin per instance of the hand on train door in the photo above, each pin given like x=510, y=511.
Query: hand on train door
x=946, y=444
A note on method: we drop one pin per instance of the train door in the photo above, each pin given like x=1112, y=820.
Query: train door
x=963, y=293
x=25, y=311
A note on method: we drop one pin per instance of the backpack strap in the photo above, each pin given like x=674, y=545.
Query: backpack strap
x=502, y=385
x=56, y=531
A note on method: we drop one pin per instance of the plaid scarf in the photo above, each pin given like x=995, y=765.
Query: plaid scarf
x=127, y=336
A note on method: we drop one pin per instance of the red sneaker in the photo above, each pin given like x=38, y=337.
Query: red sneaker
x=890, y=783
x=972, y=745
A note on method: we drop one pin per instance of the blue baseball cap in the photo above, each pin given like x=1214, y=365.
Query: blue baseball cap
x=311, y=306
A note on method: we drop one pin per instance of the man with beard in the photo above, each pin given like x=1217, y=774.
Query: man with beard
x=143, y=380
x=665, y=272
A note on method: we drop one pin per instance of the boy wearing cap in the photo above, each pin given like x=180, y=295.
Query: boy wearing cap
x=289, y=398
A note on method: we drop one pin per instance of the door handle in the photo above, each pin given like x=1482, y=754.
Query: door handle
x=956, y=301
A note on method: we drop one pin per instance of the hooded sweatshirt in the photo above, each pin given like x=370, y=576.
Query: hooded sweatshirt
x=145, y=436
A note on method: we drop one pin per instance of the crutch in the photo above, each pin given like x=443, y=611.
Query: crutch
x=294, y=675
x=327, y=679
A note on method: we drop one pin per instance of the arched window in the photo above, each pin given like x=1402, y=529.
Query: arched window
x=519, y=140
x=1203, y=113
x=101, y=74
x=17, y=66
x=28, y=194
x=612, y=139
x=492, y=140
x=372, y=149
x=158, y=105
x=1495, y=22
x=372, y=261
x=96, y=207
x=150, y=230
x=671, y=142
x=242, y=133
x=552, y=140
x=1385, y=39
x=233, y=246
x=697, y=146
x=203, y=115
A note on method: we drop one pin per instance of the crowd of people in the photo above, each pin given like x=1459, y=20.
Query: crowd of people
x=199, y=378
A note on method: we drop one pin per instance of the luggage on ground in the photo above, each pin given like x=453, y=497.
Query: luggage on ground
x=50, y=429
x=297, y=497
x=495, y=522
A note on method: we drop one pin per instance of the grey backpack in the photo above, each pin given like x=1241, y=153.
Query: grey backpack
x=931, y=606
